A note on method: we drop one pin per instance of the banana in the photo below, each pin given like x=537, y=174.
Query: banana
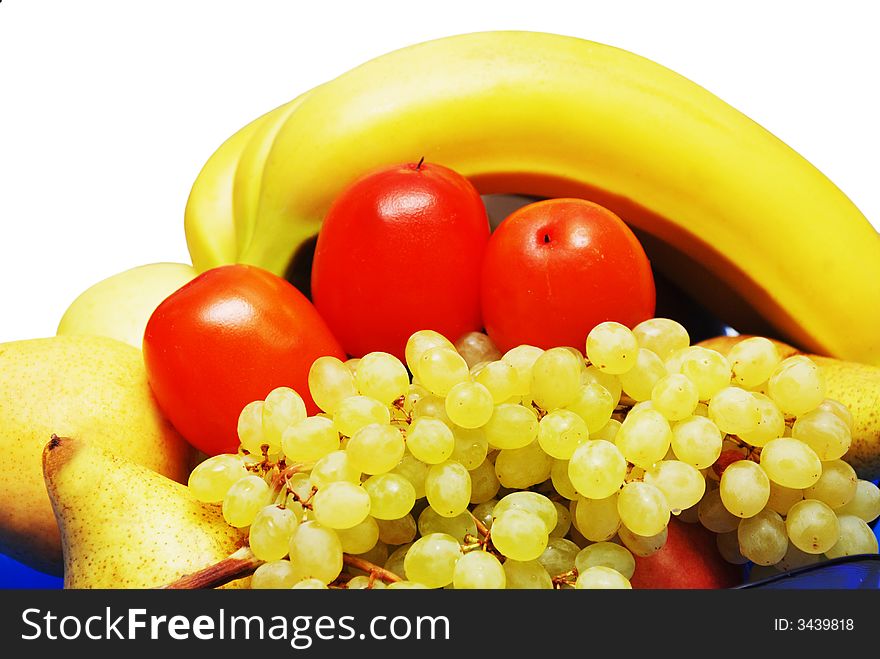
x=855, y=385
x=726, y=210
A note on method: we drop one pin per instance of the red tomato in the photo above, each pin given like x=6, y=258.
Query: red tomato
x=225, y=339
x=557, y=268
x=400, y=250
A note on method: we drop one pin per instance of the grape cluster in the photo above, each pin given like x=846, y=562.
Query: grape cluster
x=540, y=468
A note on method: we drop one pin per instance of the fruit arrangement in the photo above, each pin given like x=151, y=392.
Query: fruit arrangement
x=362, y=383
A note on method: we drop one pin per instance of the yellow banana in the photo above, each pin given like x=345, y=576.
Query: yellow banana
x=855, y=385
x=725, y=209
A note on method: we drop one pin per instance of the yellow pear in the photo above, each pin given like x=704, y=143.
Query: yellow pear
x=120, y=306
x=855, y=385
x=90, y=387
x=125, y=526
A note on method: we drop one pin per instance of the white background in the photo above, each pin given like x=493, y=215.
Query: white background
x=109, y=109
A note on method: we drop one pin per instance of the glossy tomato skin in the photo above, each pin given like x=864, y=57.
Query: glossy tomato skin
x=400, y=250
x=555, y=269
x=226, y=338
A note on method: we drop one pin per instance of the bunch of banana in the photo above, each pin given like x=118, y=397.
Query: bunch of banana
x=724, y=209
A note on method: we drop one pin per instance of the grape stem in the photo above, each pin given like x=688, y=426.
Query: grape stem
x=484, y=531
x=566, y=578
x=241, y=563
x=374, y=570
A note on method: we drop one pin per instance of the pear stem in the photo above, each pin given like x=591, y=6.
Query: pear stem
x=240, y=564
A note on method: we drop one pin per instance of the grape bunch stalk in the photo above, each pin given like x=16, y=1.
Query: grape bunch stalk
x=540, y=468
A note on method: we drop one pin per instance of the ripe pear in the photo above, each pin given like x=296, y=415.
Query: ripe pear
x=855, y=385
x=89, y=387
x=120, y=306
x=125, y=526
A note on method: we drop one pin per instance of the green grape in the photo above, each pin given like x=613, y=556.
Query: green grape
x=696, y=441
x=520, y=468
x=341, y=505
x=744, y=488
x=500, y=378
x=790, y=463
x=382, y=377
x=597, y=519
x=600, y=577
x=674, y=396
x=812, y=526
x=430, y=440
x=395, y=563
x=250, y=428
x=783, y=498
x=351, y=364
x=796, y=385
x=484, y=482
x=522, y=358
x=315, y=552
x=836, y=486
x=376, y=448
x=363, y=582
x=433, y=407
x=531, y=502
x=270, y=532
x=643, y=545
x=391, y=495
x=753, y=361
x=558, y=557
x=643, y=508
x=856, y=537
x=594, y=404
x=561, y=482
x=770, y=425
x=606, y=554
x=397, y=531
x=274, y=575
x=478, y=569
x=612, y=348
x=608, y=381
x=795, y=558
x=471, y=447
x=440, y=369
x=556, y=376
x=330, y=382
x=359, y=538
x=485, y=512
x=824, y=432
x=413, y=470
x=763, y=538
x=333, y=467
x=477, y=347
x=865, y=503
x=526, y=575
x=458, y=527
x=728, y=547
x=638, y=382
x=608, y=432
x=377, y=556
x=511, y=426
x=713, y=514
x=406, y=585
x=644, y=437
x=735, y=411
x=708, y=369
x=210, y=480
x=596, y=469
x=661, y=336
x=357, y=412
x=839, y=409
x=681, y=484
x=431, y=560
x=420, y=342
x=469, y=404
x=563, y=521
x=448, y=488
x=560, y=432
x=519, y=534
x=310, y=439
x=244, y=499
x=283, y=408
